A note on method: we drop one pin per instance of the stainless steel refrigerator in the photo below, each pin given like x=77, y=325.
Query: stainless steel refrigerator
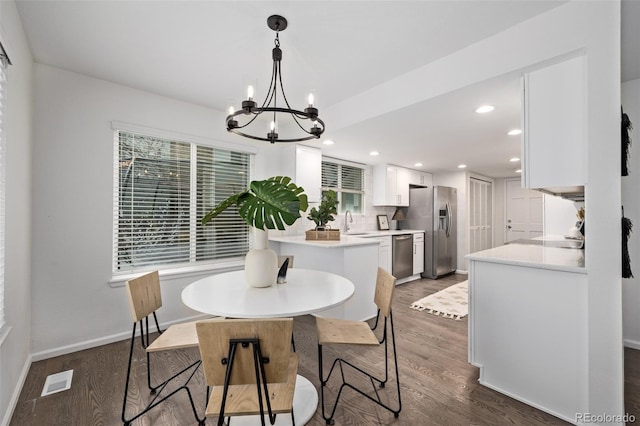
x=434, y=210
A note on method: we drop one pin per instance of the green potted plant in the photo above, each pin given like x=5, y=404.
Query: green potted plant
x=322, y=215
x=267, y=204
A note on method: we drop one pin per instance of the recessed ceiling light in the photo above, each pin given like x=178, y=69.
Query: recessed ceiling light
x=374, y=153
x=418, y=165
x=514, y=132
x=462, y=166
x=328, y=142
x=518, y=170
x=484, y=109
x=514, y=159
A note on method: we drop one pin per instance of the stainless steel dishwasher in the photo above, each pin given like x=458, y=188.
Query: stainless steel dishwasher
x=402, y=251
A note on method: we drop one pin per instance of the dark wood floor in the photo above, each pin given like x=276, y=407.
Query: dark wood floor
x=439, y=387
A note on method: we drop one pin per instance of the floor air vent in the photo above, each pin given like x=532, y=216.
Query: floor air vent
x=57, y=383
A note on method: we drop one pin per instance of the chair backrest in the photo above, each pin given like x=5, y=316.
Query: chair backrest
x=275, y=342
x=385, y=284
x=144, y=295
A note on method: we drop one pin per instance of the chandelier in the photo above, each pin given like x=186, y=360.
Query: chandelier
x=250, y=109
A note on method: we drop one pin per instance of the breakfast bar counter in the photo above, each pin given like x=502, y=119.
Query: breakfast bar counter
x=539, y=256
x=352, y=257
x=528, y=325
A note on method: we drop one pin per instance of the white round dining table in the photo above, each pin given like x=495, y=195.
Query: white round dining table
x=306, y=291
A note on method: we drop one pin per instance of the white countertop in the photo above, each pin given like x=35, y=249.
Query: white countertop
x=370, y=234
x=536, y=256
x=346, y=240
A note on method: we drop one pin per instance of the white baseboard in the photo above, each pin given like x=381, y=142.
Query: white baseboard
x=462, y=271
x=13, y=402
x=532, y=404
x=633, y=344
x=92, y=343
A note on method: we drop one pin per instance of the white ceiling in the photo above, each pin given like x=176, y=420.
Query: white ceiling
x=204, y=52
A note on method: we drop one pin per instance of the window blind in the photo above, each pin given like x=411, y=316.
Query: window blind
x=3, y=174
x=348, y=182
x=164, y=189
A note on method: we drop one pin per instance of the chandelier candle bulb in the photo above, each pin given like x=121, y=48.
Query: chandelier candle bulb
x=250, y=93
x=231, y=123
x=272, y=136
x=310, y=99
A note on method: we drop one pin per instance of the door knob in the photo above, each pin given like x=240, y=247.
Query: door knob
x=508, y=226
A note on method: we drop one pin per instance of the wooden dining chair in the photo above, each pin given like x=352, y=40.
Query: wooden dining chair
x=249, y=367
x=332, y=331
x=144, y=300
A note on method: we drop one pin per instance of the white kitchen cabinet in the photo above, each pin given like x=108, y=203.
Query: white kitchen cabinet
x=418, y=253
x=390, y=185
x=554, y=125
x=528, y=325
x=304, y=165
x=418, y=178
x=384, y=253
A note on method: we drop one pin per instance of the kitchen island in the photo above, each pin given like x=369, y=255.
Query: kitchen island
x=351, y=257
x=355, y=256
x=528, y=325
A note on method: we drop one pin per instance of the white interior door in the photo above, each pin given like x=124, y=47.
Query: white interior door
x=480, y=215
x=524, y=212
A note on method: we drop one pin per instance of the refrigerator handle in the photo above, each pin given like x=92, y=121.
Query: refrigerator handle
x=448, y=230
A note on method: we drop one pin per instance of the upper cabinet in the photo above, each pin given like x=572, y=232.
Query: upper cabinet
x=391, y=184
x=304, y=165
x=309, y=171
x=554, y=126
x=417, y=178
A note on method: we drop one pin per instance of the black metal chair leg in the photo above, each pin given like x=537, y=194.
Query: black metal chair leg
x=380, y=381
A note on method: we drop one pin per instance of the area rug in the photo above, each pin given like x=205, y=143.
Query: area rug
x=452, y=302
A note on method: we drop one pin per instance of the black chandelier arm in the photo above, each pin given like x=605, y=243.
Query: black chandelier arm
x=257, y=111
x=294, y=114
x=257, y=138
x=241, y=112
x=272, y=86
x=279, y=77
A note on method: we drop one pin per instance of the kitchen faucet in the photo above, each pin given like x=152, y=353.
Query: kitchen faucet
x=346, y=224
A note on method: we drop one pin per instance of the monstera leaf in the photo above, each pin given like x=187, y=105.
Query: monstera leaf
x=267, y=204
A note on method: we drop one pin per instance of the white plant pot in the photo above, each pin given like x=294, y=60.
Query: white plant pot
x=261, y=263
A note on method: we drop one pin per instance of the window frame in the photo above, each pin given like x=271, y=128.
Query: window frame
x=168, y=269
x=5, y=327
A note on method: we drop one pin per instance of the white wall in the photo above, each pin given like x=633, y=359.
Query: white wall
x=15, y=350
x=631, y=203
x=73, y=304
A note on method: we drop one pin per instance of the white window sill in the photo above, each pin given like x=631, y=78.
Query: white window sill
x=4, y=333
x=182, y=272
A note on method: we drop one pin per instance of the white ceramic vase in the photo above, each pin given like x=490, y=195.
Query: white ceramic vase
x=261, y=263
